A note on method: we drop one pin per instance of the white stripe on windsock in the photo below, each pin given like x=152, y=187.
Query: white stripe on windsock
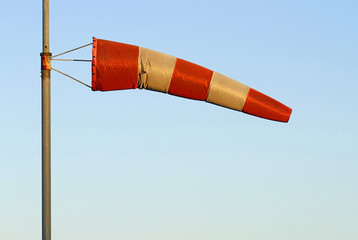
x=227, y=92
x=155, y=70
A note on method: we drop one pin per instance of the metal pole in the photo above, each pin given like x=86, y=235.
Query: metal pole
x=46, y=125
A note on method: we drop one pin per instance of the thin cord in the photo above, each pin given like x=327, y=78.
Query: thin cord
x=72, y=50
x=71, y=77
x=76, y=60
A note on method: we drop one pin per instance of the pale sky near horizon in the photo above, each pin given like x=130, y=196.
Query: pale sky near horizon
x=142, y=165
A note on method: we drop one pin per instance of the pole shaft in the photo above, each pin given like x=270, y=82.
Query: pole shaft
x=46, y=128
x=45, y=26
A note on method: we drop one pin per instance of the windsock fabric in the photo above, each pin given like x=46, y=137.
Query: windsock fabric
x=119, y=66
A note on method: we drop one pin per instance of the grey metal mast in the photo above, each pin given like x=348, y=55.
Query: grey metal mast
x=46, y=124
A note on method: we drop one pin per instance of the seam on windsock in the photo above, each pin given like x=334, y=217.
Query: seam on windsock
x=142, y=74
x=171, y=78
x=211, y=80
x=171, y=75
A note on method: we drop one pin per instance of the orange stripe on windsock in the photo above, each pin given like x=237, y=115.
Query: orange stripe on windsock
x=115, y=65
x=190, y=80
x=258, y=104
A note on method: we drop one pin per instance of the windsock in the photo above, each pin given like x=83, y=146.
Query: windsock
x=118, y=66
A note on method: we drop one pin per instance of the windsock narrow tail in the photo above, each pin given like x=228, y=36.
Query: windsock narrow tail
x=118, y=66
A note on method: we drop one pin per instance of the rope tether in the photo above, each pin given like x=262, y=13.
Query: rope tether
x=72, y=50
x=80, y=60
x=71, y=77
x=76, y=60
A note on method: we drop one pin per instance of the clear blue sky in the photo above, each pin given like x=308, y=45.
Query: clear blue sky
x=141, y=165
